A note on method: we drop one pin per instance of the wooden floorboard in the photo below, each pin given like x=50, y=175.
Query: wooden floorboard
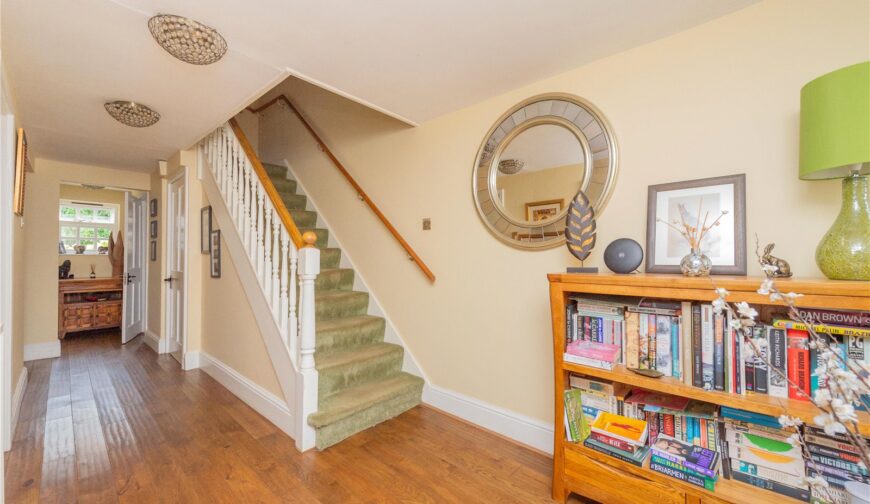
x=112, y=423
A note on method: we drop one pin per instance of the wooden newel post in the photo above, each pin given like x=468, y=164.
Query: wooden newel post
x=306, y=387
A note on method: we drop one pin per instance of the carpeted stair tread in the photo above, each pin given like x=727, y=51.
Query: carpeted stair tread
x=275, y=170
x=341, y=369
x=357, y=399
x=348, y=332
x=303, y=218
x=330, y=258
x=336, y=304
x=322, y=235
x=283, y=185
x=294, y=201
x=334, y=279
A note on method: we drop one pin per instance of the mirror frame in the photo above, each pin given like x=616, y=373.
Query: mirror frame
x=580, y=117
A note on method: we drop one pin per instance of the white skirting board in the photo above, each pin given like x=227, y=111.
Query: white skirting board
x=261, y=400
x=520, y=428
x=36, y=351
x=17, y=397
x=153, y=341
x=192, y=360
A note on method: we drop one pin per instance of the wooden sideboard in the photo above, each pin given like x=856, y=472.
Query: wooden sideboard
x=85, y=304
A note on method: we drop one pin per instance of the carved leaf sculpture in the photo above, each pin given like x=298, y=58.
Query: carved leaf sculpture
x=580, y=227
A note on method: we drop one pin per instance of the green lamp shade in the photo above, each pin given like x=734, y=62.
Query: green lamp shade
x=835, y=123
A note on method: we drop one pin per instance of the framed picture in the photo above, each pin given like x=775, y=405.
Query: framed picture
x=205, y=230
x=153, y=250
x=693, y=202
x=543, y=210
x=152, y=207
x=215, y=253
x=153, y=229
x=21, y=164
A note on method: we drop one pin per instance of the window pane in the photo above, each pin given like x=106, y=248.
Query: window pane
x=106, y=215
x=89, y=245
x=104, y=233
x=86, y=214
x=68, y=231
x=67, y=213
x=69, y=243
x=87, y=232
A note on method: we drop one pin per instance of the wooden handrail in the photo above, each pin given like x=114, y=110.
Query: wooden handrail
x=271, y=192
x=362, y=194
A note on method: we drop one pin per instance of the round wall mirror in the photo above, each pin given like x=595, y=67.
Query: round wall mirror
x=533, y=162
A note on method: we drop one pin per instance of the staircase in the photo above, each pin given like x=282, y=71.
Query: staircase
x=360, y=378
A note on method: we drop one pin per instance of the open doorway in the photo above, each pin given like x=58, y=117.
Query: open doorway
x=101, y=260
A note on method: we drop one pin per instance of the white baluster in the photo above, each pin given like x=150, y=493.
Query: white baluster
x=276, y=253
x=288, y=303
x=262, y=273
x=268, y=252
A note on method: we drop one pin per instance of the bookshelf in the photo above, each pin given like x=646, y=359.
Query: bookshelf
x=586, y=472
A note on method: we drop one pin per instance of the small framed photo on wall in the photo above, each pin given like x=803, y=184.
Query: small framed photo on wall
x=153, y=250
x=205, y=230
x=215, y=258
x=694, y=203
x=153, y=229
x=152, y=207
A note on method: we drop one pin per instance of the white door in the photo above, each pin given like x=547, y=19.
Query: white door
x=175, y=241
x=135, y=243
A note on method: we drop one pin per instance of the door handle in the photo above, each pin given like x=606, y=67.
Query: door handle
x=130, y=278
x=168, y=279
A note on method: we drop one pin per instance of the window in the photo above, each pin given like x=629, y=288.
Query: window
x=87, y=224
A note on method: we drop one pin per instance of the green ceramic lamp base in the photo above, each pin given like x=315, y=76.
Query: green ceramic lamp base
x=844, y=252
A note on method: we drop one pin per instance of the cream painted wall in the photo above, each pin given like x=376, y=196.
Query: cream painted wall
x=561, y=182
x=229, y=329
x=41, y=233
x=81, y=264
x=718, y=99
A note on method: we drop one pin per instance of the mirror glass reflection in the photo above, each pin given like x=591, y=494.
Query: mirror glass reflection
x=539, y=173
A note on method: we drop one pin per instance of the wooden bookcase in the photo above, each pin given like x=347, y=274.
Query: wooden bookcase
x=79, y=311
x=586, y=472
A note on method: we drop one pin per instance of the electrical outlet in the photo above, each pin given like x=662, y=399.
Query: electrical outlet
x=427, y=224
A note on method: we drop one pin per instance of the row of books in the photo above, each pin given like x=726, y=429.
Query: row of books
x=690, y=342
x=698, y=442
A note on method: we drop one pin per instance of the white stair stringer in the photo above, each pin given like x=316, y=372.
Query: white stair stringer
x=269, y=331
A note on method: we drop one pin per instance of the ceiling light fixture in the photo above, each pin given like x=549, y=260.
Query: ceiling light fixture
x=187, y=40
x=132, y=114
x=510, y=166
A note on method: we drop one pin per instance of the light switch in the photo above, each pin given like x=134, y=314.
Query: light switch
x=427, y=224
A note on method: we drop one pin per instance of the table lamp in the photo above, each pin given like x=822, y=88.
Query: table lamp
x=835, y=143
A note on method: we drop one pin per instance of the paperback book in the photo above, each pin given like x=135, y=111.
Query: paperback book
x=696, y=458
x=629, y=430
x=635, y=458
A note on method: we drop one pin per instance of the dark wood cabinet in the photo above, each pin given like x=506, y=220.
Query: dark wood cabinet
x=89, y=304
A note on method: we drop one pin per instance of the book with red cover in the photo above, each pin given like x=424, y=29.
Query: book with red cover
x=592, y=350
x=798, y=367
x=616, y=443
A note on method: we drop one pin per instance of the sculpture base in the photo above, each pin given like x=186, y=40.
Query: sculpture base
x=582, y=270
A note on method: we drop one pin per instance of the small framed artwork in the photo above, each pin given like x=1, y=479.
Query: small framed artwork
x=205, y=230
x=21, y=164
x=153, y=229
x=215, y=254
x=543, y=210
x=152, y=207
x=693, y=203
x=153, y=250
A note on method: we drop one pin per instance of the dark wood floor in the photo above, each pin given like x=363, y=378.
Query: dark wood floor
x=112, y=423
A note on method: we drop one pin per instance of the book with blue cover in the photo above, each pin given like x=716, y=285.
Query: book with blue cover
x=749, y=416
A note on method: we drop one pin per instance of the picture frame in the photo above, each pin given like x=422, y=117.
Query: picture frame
x=21, y=164
x=152, y=207
x=153, y=229
x=537, y=211
x=153, y=250
x=205, y=229
x=215, y=256
x=725, y=244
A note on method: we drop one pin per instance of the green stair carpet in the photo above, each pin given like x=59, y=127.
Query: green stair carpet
x=361, y=382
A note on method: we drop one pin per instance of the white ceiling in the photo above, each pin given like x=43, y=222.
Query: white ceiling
x=414, y=60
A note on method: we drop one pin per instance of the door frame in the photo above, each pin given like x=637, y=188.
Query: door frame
x=144, y=250
x=167, y=248
x=7, y=222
